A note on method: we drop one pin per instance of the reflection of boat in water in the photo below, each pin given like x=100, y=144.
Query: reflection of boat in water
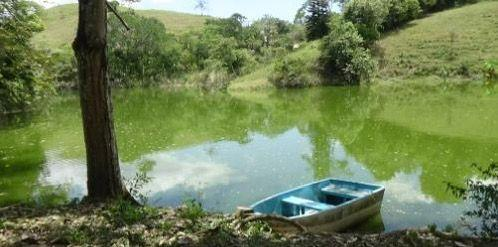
x=327, y=205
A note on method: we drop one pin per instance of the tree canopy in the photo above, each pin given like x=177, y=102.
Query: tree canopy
x=317, y=19
x=23, y=78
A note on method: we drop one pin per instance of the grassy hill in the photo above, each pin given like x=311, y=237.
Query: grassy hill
x=60, y=24
x=451, y=44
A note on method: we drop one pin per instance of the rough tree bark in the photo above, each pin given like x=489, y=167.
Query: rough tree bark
x=103, y=174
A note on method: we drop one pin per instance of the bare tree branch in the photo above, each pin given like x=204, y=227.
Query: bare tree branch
x=117, y=15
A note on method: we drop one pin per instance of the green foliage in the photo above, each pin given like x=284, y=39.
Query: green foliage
x=367, y=16
x=430, y=6
x=227, y=48
x=50, y=196
x=400, y=12
x=192, y=210
x=290, y=73
x=432, y=227
x=230, y=57
x=343, y=58
x=78, y=236
x=136, y=184
x=490, y=71
x=213, y=78
x=483, y=193
x=62, y=65
x=317, y=19
x=271, y=31
x=166, y=226
x=123, y=212
x=23, y=79
x=143, y=55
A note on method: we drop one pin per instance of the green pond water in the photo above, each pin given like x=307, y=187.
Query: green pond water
x=230, y=150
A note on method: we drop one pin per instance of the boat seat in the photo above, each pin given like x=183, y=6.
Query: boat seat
x=298, y=201
x=345, y=192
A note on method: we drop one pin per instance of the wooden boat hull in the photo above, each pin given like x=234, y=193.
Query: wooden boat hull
x=349, y=204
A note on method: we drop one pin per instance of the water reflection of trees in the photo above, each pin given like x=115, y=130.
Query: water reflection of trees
x=150, y=121
x=21, y=160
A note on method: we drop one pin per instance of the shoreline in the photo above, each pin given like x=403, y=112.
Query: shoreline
x=120, y=224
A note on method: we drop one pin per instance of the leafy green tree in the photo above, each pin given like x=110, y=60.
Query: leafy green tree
x=343, y=57
x=271, y=30
x=227, y=27
x=400, y=12
x=367, y=16
x=143, y=55
x=317, y=19
x=23, y=79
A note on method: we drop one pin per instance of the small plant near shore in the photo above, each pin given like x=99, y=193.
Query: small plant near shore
x=2, y=224
x=126, y=213
x=258, y=232
x=75, y=236
x=50, y=196
x=192, y=210
x=258, y=229
x=166, y=226
x=483, y=193
x=432, y=228
x=136, y=184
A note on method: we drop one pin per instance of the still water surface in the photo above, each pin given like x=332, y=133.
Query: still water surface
x=227, y=150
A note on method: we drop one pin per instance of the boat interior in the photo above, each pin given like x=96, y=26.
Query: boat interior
x=314, y=198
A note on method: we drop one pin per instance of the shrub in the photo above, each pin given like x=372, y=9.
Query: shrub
x=213, y=78
x=343, y=58
x=192, y=210
x=400, y=12
x=484, y=194
x=429, y=6
x=231, y=58
x=124, y=212
x=490, y=71
x=290, y=73
x=367, y=16
x=64, y=69
x=143, y=55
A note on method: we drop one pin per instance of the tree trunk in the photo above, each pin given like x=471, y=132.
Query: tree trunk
x=103, y=174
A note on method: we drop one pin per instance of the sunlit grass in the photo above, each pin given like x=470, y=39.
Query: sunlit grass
x=452, y=43
x=61, y=21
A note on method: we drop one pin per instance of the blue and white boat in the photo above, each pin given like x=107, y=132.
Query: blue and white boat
x=327, y=205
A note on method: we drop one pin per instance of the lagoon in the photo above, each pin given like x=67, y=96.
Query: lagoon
x=227, y=150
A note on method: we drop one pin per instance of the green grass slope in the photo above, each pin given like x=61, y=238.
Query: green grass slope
x=61, y=21
x=452, y=43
